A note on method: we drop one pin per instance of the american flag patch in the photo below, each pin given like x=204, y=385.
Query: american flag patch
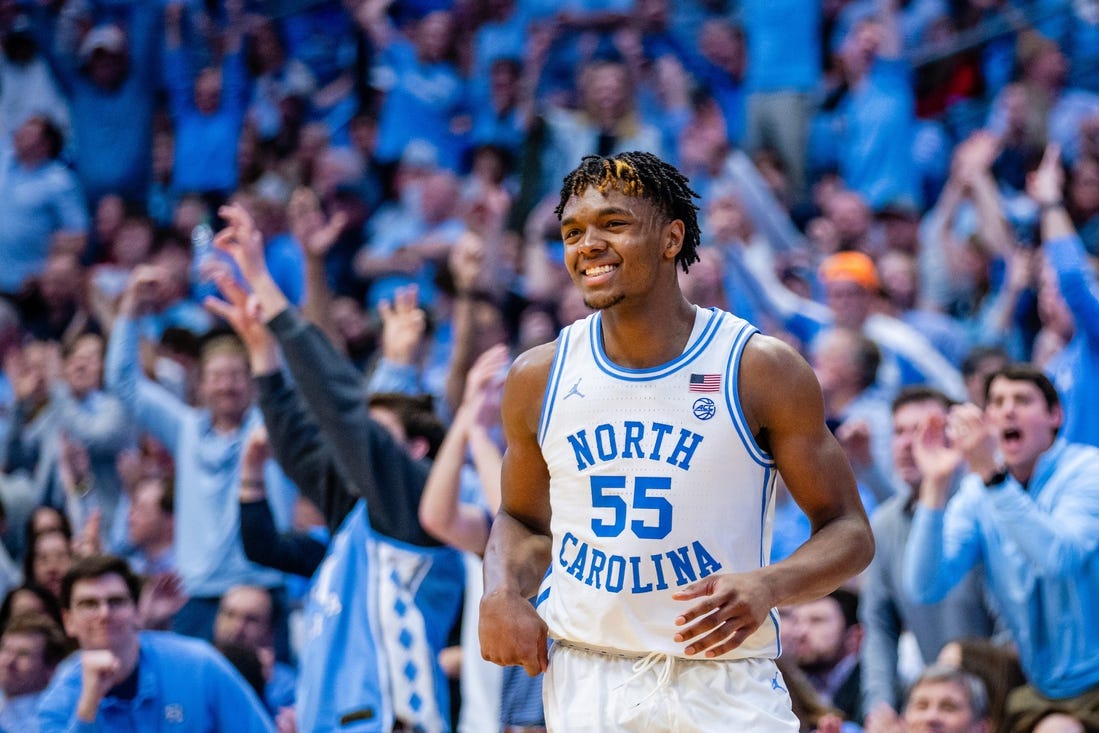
x=705, y=383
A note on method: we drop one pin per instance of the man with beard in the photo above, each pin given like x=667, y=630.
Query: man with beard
x=826, y=638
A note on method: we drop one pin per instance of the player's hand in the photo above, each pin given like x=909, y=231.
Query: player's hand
x=512, y=633
x=728, y=608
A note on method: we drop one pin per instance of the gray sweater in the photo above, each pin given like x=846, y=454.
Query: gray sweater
x=885, y=611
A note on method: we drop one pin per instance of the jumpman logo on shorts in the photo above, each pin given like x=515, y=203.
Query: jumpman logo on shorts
x=775, y=685
x=574, y=391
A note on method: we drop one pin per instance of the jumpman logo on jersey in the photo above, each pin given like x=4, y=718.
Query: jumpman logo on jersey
x=775, y=685
x=574, y=391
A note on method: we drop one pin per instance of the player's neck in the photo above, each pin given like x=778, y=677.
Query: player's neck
x=641, y=338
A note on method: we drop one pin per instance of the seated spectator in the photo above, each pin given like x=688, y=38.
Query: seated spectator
x=31, y=647
x=825, y=638
x=150, y=527
x=49, y=556
x=29, y=599
x=245, y=617
x=119, y=669
x=943, y=699
x=1060, y=723
x=997, y=665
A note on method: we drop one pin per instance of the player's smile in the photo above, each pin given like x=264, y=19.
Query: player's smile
x=598, y=274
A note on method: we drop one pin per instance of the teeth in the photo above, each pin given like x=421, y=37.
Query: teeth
x=598, y=270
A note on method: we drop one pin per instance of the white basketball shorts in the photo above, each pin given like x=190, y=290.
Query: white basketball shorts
x=590, y=691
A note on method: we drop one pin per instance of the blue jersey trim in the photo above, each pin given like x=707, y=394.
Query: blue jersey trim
x=652, y=373
x=778, y=632
x=553, y=383
x=544, y=594
x=765, y=499
x=732, y=398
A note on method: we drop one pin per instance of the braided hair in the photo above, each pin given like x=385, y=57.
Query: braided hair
x=646, y=176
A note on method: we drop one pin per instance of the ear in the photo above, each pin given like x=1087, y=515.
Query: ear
x=673, y=238
x=66, y=621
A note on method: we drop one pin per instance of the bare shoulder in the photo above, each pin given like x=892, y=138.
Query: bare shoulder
x=777, y=386
x=526, y=384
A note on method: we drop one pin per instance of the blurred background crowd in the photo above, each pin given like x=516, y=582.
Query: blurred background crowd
x=862, y=170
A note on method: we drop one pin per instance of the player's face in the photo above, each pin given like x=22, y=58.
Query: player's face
x=617, y=246
x=1022, y=421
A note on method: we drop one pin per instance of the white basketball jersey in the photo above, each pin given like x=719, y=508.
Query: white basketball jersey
x=655, y=482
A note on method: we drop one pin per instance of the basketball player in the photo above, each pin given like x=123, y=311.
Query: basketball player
x=642, y=452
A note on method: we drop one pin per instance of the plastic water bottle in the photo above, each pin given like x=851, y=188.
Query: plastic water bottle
x=202, y=249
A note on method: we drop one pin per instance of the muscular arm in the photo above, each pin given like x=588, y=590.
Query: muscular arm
x=782, y=401
x=518, y=551
x=790, y=420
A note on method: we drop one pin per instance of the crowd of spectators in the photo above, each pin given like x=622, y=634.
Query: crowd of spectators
x=264, y=264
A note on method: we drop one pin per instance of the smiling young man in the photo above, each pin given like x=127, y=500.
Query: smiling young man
x=1028, y=512
x=642, y=451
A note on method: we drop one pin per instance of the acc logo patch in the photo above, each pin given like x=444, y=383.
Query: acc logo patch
x=704, y=408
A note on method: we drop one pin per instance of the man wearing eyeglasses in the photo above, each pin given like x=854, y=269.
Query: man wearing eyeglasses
x=125, y=680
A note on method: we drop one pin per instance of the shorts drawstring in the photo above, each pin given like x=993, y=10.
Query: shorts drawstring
x=643, y=665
